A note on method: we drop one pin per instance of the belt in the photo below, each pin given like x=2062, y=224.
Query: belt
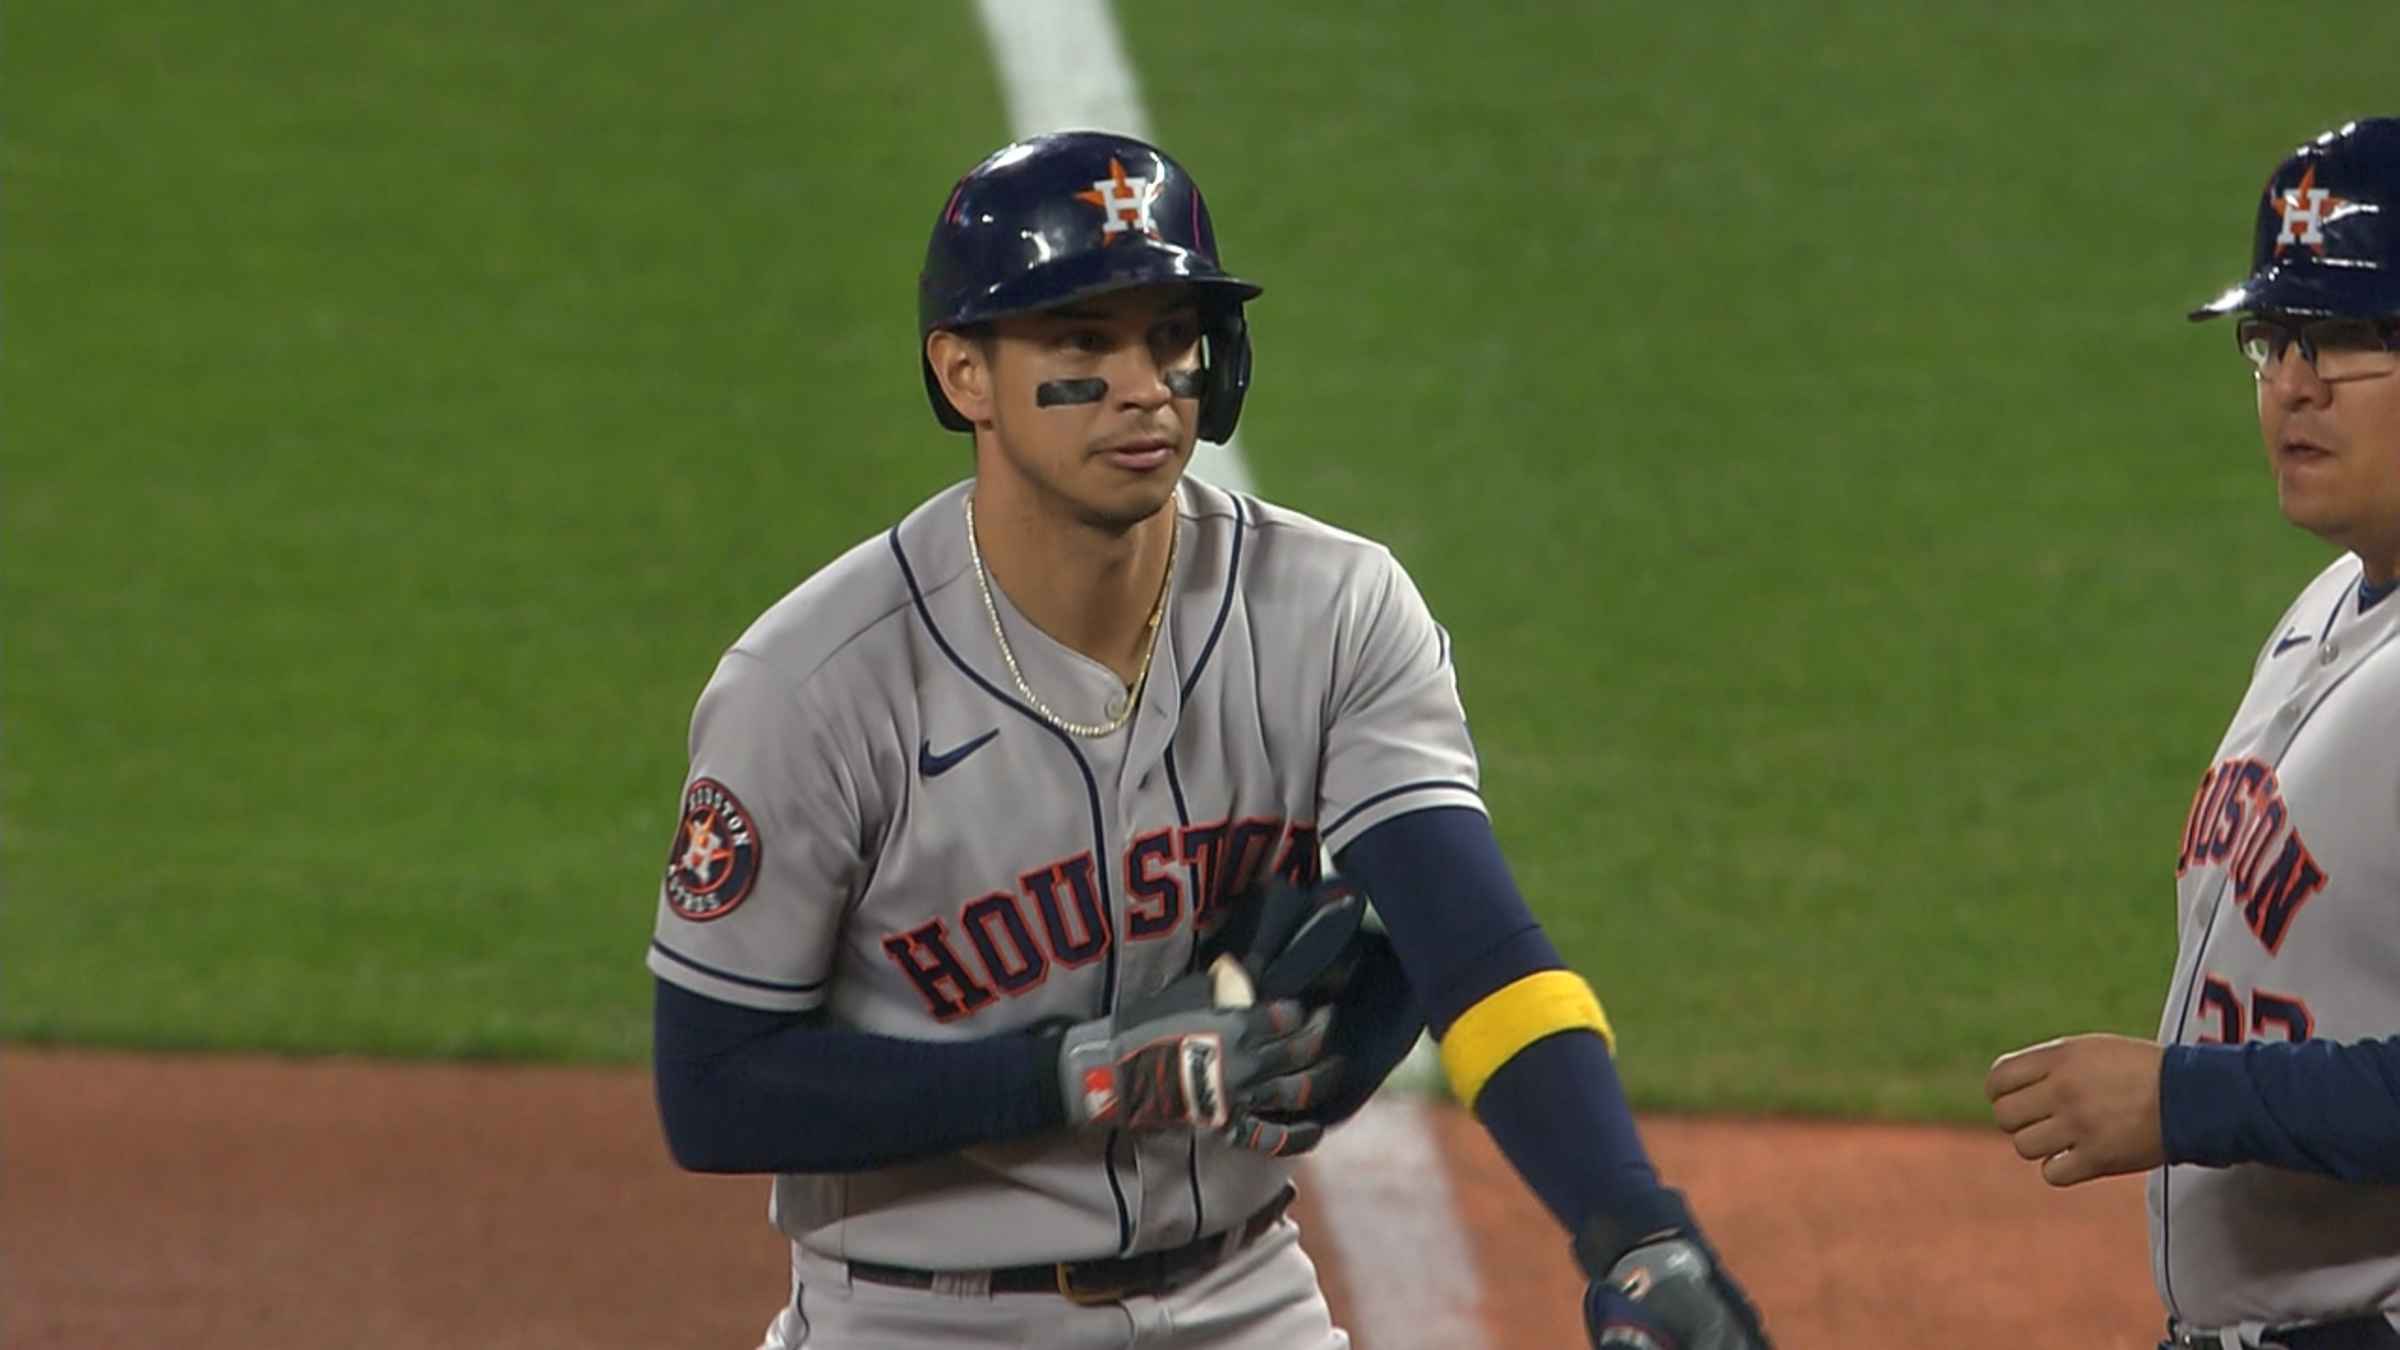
x=2372, y=1332
x=1104, y=1280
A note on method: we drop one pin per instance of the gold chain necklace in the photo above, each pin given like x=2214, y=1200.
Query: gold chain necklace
x=1141, y=675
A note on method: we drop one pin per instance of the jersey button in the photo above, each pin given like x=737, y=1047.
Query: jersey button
x=2328, y=652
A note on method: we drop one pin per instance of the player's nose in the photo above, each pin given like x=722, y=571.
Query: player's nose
x=2291, y=379
x=1142, y=380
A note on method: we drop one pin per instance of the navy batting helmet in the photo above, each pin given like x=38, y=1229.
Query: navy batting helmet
x=1076, y=214
x=2326, y=241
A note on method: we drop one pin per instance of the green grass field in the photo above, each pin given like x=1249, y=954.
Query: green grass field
x=1851, y=552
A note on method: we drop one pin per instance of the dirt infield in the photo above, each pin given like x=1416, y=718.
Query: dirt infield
x=243, y=1203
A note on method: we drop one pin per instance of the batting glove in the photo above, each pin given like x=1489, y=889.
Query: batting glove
x=1656, y=1284
x=1184, y=1058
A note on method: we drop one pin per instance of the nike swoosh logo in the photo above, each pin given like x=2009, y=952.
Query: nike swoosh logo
x=934, y=766
x=2289, y=641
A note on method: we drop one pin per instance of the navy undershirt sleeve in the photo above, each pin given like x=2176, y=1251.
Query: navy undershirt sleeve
x=1463, y=930
x=741, y=1090
x=2311, y=1106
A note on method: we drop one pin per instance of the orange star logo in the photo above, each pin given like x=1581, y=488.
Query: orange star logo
x=704, y=850
x=2304, y=210
x=714, y=860
x=1125, y=202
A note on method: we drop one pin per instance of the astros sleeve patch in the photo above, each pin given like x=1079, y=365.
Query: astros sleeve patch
x=715, y=860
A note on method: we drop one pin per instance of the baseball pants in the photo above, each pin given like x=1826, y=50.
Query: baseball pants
x=1265, y=1297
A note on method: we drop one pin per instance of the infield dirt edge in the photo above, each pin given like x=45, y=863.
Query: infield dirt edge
x=236, y=1201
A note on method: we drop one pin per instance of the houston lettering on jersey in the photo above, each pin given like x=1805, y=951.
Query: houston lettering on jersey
x=1006, y=943
x=2239, y=821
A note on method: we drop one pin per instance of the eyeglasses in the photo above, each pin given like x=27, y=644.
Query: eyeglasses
x=2337, y=349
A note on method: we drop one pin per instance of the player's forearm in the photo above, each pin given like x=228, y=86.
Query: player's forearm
x=1464, y=933
x=1558, y=1114
x=746, y=1091
x=2312, y=1106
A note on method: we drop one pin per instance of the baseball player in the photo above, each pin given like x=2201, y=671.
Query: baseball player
x=2268, y=1111
x=965, y=932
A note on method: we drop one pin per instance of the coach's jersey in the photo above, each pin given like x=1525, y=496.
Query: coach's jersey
x=2288, y=888
x=876, y=824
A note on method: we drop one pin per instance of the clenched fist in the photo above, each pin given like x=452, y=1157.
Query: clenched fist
x=2085, y=1106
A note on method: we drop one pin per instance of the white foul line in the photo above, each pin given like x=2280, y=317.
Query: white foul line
x=1384, y=1190
x=1063, y=68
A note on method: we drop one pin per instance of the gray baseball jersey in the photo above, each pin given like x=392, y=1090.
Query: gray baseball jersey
x=875, y=824
x=2288, y=889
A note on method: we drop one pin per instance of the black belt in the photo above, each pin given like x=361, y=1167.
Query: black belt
x=1105, y=1280
x=2372, y=1332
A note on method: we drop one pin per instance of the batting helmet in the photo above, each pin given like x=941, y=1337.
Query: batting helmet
x=2323, y=244
x=1071, y=215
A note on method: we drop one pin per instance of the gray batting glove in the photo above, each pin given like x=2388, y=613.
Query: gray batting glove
x=1179, y=1059
x=1666, y=1296
x=1657, y=1284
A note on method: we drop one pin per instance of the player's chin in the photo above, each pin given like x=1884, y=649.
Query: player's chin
x=2303, y=480
x=2311, y=508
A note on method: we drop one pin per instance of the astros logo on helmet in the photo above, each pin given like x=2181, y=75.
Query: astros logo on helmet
x=1125, y=200
x=2304, y=208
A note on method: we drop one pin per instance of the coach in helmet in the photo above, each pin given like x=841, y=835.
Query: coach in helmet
x=2267, y=1112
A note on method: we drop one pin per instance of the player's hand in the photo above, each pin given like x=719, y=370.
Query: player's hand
x=1188, y=1057
x=1318, y=944
x=1666, y=1296
x=2086, y=1106
x=1667, y=1290
x=1275, y=1136
x=1297, y=941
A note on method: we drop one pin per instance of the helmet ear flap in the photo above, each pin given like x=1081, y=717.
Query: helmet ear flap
x=1227, y=337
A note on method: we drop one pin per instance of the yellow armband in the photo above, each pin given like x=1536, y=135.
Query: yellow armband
x=1512, y=1017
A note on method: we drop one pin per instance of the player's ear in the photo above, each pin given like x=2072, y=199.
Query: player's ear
x=962, y=363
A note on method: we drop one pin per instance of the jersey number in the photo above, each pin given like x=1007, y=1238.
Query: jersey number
x=2267, y=1012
